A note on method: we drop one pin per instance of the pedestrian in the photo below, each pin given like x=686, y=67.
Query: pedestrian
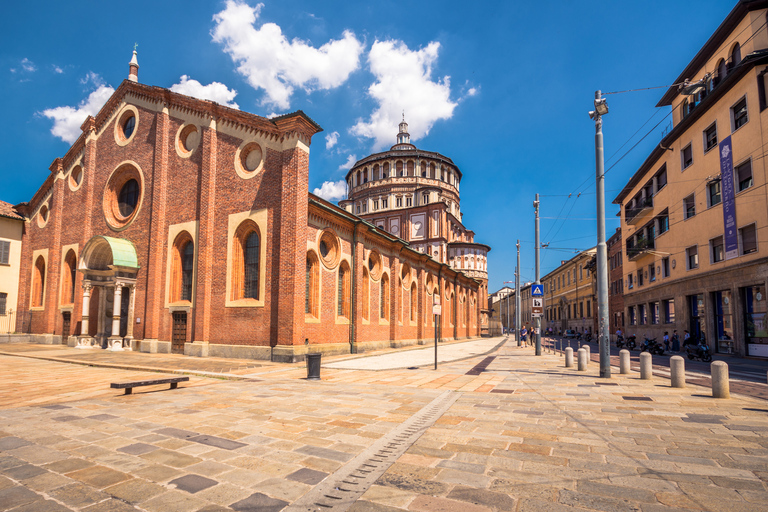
x=523, y=333
x=675, y=342
x=687, y=339
x=666, y=340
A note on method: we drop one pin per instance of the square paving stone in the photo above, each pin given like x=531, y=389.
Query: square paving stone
x=193, y=483
x=325, y=453
x=24, y=472
x=42, y=506
x=68, y=465
x=99, y=476
x=15, y=496
x=177, y=433
x=102, y=417
x=37, y=454
x=47, y=481
x=12, y=442
x=54, y=407
x=78, y=495
x=135, y=490
x=307, y=476
x=7, y=461
x=68, y=417
x=110, y=506
x=138, y=449
x=217, y=442
x=171, y=458
x=258, y=502
x=704, y=418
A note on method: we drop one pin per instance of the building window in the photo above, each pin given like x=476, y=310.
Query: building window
x=663, y=223
x=408, y=201
x=187, y=254
x=247, y=258
x=716, y=249
x=376, y=204
x=632, y=316
x=689, y=206
x=128, y=197
x=744, y=175
x=38, y=282
x=312, y=285
x=358, y=208
x=384, y=203
x=589, y=309
x=652, y=272
x=713, y=193
x=3, y=299
x=668, y=306
x=739, y=115
x=692, y=257
x=366, y=294
x=665, y=267
x=654, y=307
x=641, y=313
x=630, y=285
x=640, y=277
x=710, y=137
x=661, y=178
x=399, y=202
x=735, y=55
x=687, y=156
x=69, y=275
x=5, y=252
x=343, y=289
x=426, y=198
x=748, y=238
x=384, y=300
x=414, y=303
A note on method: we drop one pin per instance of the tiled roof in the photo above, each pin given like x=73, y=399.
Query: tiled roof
x=6, y=210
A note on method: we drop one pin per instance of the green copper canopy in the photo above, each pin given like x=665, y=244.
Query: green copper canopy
x=103, y=252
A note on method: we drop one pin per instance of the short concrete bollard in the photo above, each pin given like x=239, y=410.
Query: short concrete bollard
x=646, y=370
x=677, y=369
x=589, y=352
x=624, y=361
x=720, y=383
x=582, y=360
x=569, y=357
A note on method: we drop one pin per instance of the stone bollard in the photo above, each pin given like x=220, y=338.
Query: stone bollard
x=569, y=357
x=624, y=361
x=677, y=369
x=646, y=370
x=720, y=383
x=582, y=360
x=589, y=352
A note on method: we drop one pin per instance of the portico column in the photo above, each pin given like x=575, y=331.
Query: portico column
x=116, y=305
x=86, y=307
x=132, y=290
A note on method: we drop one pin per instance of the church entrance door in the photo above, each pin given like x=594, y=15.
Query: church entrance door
x=179, y=335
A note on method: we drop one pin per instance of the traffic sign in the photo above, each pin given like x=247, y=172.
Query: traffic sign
x=537, y=306
x=537, y=290
x=437, y=309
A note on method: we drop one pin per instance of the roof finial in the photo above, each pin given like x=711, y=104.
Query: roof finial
x=403, y=114
x=133, y=66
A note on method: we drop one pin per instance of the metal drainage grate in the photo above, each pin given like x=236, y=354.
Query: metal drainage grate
x=340, y=490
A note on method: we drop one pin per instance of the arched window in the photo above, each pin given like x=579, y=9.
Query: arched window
x=246, y=262
x=410, y=167
x=38, y=283
x=343, y=290
x=721, y=72
x=366, y=294
x=358, y=182
x=735, y=55
x=384, y=300
x=386, y=170
x=399, y=167
x=182, y=267
x=414, y=303
x=311, y=301
x=69, y=276
x=400, y=300
x=453, y=309
x=376, y=172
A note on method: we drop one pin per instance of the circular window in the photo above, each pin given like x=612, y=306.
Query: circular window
x=125, y=127
x=42, y=216
x=75, y=177
x=329, y=249
x=187, y=140
x=123, y=196
x=249, y=160
x=374, y=265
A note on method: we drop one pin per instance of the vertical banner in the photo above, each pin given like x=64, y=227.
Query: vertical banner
x=730, y=233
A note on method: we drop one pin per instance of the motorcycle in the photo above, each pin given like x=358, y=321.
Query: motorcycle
x=631, y=344
x=619, y=341
x=699, y=352
x=578, y=336
x=652, y=346
x=588, y=337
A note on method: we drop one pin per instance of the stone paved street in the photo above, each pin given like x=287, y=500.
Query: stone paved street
x=524, y=434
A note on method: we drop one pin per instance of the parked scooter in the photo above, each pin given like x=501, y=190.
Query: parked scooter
x=652, y=346
x=588, y=337
x=619, y=341
x=631, y=344
x=700, y=351
x=578, y=335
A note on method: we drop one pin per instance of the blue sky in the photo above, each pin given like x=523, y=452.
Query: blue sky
x=502, y=88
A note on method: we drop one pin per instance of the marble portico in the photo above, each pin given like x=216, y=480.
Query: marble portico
x=109, y=267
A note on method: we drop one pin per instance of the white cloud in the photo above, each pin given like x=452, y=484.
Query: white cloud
x=92, y=78
x=215, y=91
x=268, y=61
x=67, y=120
x=332, y=190
x=331, y=139
x=351, y=159
x=404, y=84
x=28, y=65
x=57, y=69
x=472, y=91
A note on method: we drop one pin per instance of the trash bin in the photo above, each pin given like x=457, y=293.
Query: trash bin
x=313, y=366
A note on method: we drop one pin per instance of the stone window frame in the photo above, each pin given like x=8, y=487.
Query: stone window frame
x=43, y=214
x=343, y=301
x=39, y=280
x=413, y=298
x=709, y=137
x=735, y=108
x=384, y=298
x=121, y=118
x=122, y=174
x=241, y=155
x=182, y=135
x=239, y=226
x=67, y=283
x=177, y=234
x=365, y=296
x=180, y=242
x=312, y=288
x=72, y=183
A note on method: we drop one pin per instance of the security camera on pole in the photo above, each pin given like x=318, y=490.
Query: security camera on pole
x=602, y=254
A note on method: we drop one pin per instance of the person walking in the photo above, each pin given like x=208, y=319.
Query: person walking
x=675, y=342
x=666, y=340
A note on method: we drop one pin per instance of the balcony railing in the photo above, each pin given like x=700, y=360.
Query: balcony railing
x=642, y=247
x=633, y=215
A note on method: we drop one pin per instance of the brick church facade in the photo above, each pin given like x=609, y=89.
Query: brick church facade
x=175, y=224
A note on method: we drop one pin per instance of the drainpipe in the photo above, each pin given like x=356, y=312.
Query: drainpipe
x=353, y=291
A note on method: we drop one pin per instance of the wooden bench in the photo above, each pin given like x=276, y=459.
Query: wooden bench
x=128, y=386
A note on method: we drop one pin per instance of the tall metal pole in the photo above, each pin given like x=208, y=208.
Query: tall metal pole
x=537, y=319
x=517, y=297
x=602, y=252
x=507, y=301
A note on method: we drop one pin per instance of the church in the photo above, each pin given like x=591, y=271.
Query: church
x=179, y=225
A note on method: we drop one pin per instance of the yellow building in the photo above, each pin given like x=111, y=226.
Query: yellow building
x=11, y=225
x=694, y=215
x=569, y=295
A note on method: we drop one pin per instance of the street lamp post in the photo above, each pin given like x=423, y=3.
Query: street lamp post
x=508, y=282
x=601, y=108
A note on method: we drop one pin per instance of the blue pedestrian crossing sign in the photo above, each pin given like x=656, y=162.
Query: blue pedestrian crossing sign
x=537, y=290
